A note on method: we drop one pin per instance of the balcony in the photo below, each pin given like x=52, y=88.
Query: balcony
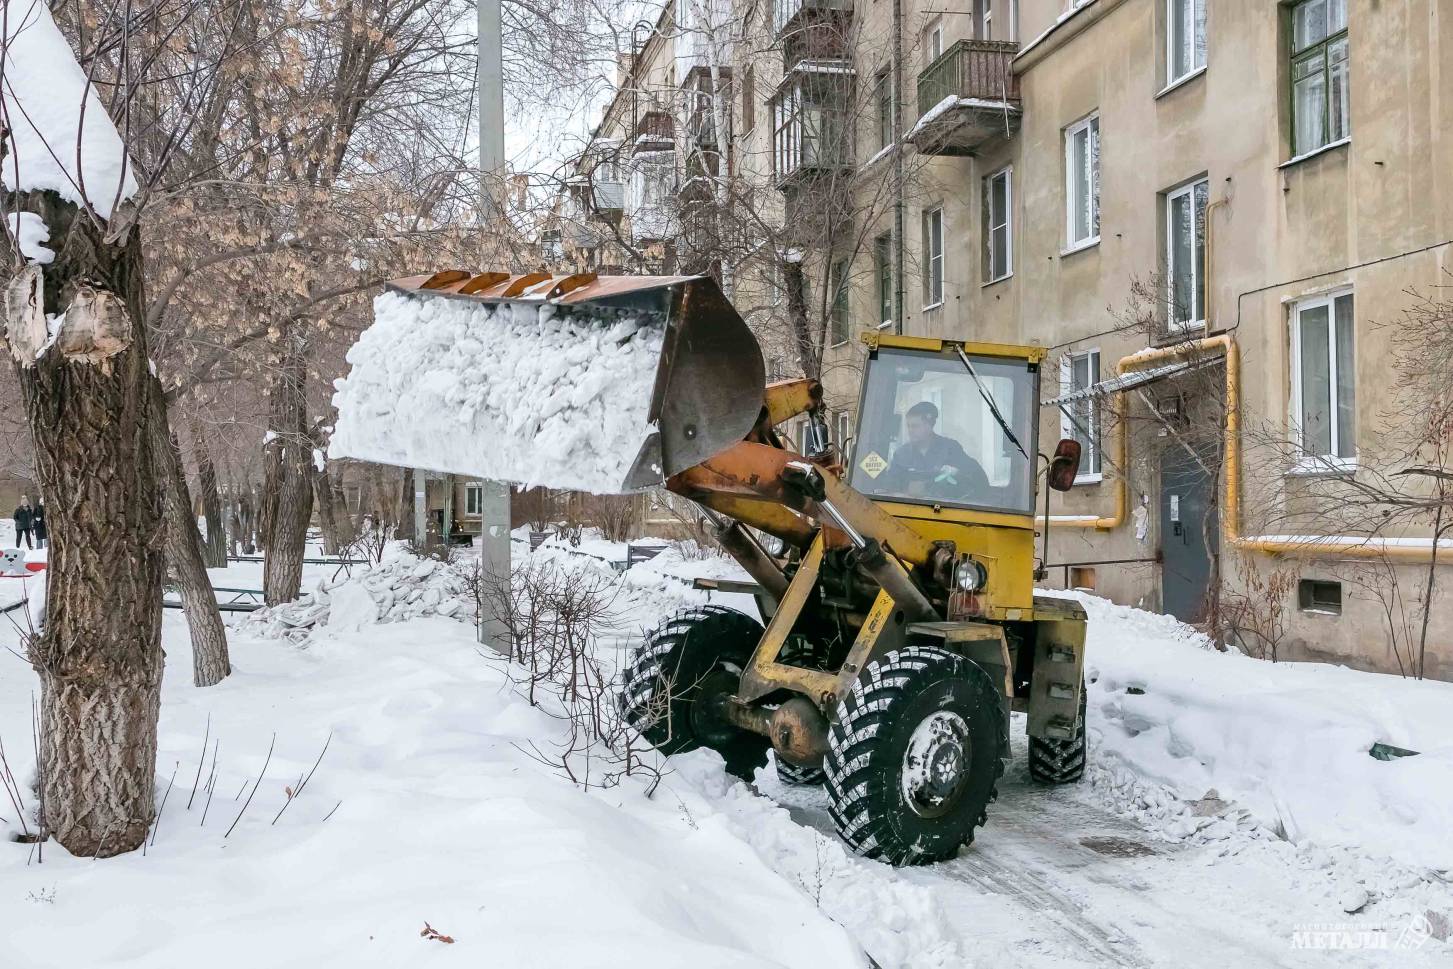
x=967, y=99
x=701, y=106
x=792, y=15
x=655, y=131
x=610, y=197
x=811, y=127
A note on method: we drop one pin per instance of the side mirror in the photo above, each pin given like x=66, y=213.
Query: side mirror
x=1064, y=465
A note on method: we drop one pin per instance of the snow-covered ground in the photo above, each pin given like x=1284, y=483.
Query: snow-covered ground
x=1228, y=817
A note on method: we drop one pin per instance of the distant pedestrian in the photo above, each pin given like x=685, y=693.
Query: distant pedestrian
x=24, y=521
x=37, y=521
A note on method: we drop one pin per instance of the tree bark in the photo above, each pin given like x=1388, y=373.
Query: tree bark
x=214, y=546
x=289, y=500
x=795, y=282
x=210, y=662
x=98, y=654
x=327, y=511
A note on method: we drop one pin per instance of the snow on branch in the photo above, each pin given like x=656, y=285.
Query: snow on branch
x=58, y=135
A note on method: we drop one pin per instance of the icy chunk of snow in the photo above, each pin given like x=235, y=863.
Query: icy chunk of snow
x=542, y=396
x=30, y=232
x=44, y=92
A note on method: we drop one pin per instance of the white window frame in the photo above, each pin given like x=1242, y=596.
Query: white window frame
x=933, y=40
x=1322, y=463
x=933, y=262
x=1090, y=123
x=1192, y=7
x=986, y=21
x=1092, y=455
x=1198, y=232
x=1007, y=173
x=473, y=496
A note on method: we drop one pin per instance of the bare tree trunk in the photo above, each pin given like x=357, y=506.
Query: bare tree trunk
x=289, y=500
x=214, y=547
x=1428, y=588
x=327, y=510
x=796, y=284
x=98, y=654
x=210, y=662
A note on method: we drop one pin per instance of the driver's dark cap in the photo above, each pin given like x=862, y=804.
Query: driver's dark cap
x=925, y=410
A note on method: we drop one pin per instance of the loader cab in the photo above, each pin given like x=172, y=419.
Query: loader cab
x=948, y=425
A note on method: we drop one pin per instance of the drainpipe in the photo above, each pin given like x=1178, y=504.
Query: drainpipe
x=898, y=165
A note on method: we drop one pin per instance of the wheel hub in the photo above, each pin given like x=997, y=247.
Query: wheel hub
x=936, y=764
x=708, y=715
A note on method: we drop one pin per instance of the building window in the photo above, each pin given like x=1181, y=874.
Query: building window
x=884, y=94
x=1185, y=38
x=932, y=258
x=1320, y=109
x=749, y=100
x=1080, y=419
x=1185, y=257
x=839, y=318
x=1082, y=182
x=883, y=276
x=1316, y=595
x=986, y=24
x=1324, y=382
x=998, y=228
x=933, y=41
x=473, y=499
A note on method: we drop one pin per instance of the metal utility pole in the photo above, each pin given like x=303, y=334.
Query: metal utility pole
x=494, y=513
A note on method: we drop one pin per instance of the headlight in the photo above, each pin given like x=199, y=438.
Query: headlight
x=970, y=575
x=772, y=545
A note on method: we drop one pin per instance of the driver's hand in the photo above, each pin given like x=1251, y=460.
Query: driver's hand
x=948, y=473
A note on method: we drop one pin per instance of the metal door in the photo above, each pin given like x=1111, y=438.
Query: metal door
x=1185, y=502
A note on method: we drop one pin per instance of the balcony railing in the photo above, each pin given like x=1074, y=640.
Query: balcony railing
x=967, y=97
x=790, y=12
x=655, y=131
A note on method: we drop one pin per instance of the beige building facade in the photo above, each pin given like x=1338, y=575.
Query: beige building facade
x=1241, y=198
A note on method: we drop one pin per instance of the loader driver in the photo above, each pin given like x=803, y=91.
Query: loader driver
x=929, y=465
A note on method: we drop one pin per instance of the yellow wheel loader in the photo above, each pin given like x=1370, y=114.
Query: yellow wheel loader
x=895, y=570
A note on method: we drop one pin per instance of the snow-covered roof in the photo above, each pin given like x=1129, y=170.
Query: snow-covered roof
x=54, y=116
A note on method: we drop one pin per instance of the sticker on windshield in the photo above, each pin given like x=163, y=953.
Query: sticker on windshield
x=873, y=463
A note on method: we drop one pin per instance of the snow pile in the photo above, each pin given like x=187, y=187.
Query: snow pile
x=44, y=95
x=522, y=392
x=402, y=587
x=426, y=807
x=1288, y=743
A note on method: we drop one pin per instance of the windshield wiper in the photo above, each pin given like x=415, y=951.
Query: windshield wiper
x=989, y=399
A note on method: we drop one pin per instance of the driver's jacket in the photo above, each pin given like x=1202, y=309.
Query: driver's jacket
x=911, y=465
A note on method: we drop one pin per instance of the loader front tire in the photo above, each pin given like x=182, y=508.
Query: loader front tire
x=1060, y=761
x=684, y=663
x=915, y=755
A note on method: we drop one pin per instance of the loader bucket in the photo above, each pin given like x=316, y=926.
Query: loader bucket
x=605, y=384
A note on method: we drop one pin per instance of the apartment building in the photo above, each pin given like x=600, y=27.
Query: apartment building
x=1214, y=212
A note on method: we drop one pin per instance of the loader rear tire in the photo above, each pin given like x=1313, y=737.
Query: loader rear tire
x=689, y=658
x=915, y=756
x=789, y=773
x=1060, y=761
